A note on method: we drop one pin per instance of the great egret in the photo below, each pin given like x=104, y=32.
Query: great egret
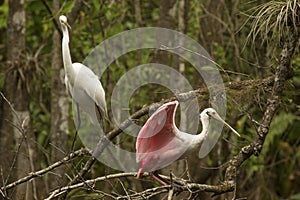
x=81, y=82
x=160, y=142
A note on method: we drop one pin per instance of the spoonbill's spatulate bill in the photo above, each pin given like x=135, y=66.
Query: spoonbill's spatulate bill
x=160, y=142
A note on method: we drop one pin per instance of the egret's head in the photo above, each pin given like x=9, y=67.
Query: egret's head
x=210, y=112
x=64, y=21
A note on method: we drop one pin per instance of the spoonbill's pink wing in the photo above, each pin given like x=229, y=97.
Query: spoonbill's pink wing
x=151, y=134
x=154, y=141
x=157, y=132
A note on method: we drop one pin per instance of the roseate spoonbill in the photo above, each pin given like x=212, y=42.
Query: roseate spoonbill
x=160, y=142
x=82, y=84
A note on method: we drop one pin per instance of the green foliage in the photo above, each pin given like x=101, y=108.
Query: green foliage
x=3, y=24
x=3, y=14
x=295, y=197
x=220, y=55
x=41, y=125
x=278, y=126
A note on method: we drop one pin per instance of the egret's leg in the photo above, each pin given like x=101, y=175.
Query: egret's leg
x=77, y=128
x=99, y=116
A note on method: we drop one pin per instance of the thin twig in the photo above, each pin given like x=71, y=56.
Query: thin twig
x=171, y=191
x=52, y=17
x=10, y=105
x=18, y=127
x=61, y=190
x=39, y=173
x=183, y=184
x=163, y=47
x=125, y=190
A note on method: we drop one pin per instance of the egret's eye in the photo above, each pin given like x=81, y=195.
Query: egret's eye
x=207, y=112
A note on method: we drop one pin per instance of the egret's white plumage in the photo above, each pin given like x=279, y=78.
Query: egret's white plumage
x=81, y=82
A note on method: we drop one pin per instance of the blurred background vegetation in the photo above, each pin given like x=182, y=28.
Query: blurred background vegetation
x=230, y=33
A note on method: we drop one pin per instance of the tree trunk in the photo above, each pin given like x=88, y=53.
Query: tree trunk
x=211, y=32
x=59, y=111
x=16, y=91
x=138, y=13
x=166, y=20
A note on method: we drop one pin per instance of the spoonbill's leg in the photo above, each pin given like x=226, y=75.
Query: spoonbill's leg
x=177, y=189
x=158, y=178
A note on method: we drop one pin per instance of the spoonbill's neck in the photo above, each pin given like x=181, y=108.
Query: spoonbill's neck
x=205, y=127
x=196, y=140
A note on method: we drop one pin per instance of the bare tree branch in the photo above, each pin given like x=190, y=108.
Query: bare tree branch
x=183, y=184
x=282, y=74
x=39, y=173
x=53, y=17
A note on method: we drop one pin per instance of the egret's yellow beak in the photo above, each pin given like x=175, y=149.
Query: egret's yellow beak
x=67, y=24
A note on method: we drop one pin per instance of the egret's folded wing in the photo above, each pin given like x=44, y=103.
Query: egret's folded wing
x=92, y=86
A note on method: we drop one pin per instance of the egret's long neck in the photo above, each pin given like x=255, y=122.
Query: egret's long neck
x=66, y=55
